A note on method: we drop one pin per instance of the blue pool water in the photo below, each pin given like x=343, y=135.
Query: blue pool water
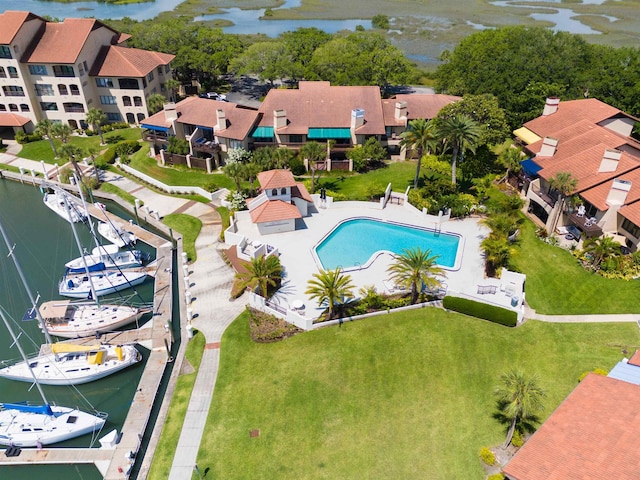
x=353, y=242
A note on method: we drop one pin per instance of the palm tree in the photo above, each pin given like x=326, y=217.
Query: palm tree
x=235, y=171
x=497, y=251
x=93, y=153
x=564, y=184
x=62, y=131
x=173, y=85
x=519, y=399
x=601, y=249
x=460, y=132
x=45, y=128
x=251, y=171
x=96, y=118
x=263, y=272
x=331, y=286
x=315, y=152
x=155, y=103
x=416, y=268
x=422, y=136
x=72, y=153
x=510, y=160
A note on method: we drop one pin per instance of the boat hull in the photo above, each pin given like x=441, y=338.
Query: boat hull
x=105, y=283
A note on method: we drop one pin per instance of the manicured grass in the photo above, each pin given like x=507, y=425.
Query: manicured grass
x=41, y=150
x=189, y=227
x=164, y=452
x=407, y=395
x=557, y=284
x=362, y=187
x=111, y=188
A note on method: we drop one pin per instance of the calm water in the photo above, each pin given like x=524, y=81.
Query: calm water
x=353, y=243
x=137, y=11
x=44, y=242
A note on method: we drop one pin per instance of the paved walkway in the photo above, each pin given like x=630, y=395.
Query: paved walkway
x=531, y=314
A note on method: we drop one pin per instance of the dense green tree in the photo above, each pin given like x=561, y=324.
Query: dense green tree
x=268, y=60
x=486, y=112
x=422, y=135
x=332, y=287
x=62, y=131
x=316, y=154
x=251, y=171
x=600, y=249
x=510, y=160
x=155, y=103
x=301, y=44
x=235, y=171
x=368, y=155
x=96, y=118
x=172, y=85
x=459, y=133
x=45, y=128
x=519, y=399
x=414, y=269
x=263, y=272
x=72, y=153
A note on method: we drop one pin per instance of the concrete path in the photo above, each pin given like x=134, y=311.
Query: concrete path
x=531, y=314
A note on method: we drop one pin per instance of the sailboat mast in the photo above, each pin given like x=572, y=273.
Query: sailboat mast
x=86, y=210
x=24, y=357
x=84, y=260
x=26, y=285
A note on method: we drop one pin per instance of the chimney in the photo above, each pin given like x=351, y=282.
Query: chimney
x=170, y=112
x=222, y=120
x=618, y=192
x=548, y=148
x=610, y=159
x=279, y=119
x=551, y=106
x=357, y=118
x=401, y=111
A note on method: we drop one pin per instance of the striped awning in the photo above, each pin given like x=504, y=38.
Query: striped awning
x=262, y=132
x=329, y=133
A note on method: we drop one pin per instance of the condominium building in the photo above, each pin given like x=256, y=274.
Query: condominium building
x=59, y=70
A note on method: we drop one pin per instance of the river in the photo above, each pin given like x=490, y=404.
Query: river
x=44, y=242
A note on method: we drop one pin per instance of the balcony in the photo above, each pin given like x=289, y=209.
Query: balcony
x=155, y=137
x=542, y=195
x=590, y=228
x=205, y=146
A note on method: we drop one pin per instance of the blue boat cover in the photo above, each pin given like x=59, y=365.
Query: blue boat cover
x=21, y=407
x=96, y=267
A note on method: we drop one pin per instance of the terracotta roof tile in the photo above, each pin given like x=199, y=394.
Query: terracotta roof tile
x=62, y=42
x=591, y=436
x=320, y=105
x=418, y=106
x=597, y=195
x=277, y=178
x=635, y=359
x=301, y=191
x=115, y=60
x=631, y=212
x=12, y=120
x=10, y=23
x=274, y=210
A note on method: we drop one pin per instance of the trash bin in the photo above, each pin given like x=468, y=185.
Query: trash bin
x=514, y=301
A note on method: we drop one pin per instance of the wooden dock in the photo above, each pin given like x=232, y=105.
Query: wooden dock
x=115, y=463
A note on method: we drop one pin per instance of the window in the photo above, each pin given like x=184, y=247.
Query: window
x=140, y=117
x=163, y=88
x=274, y=192
x=49, y=106
x=235, y=144
x=3, y=108
x=283, y=191
x=83, y=124
x=131, y=118
x=113, y=117
x=80, y=70
x=3, y=74
x=295, y=138
x=63, y=71
x=13, y=91
x=150, y=76
x=13, y=107
x=167, y=68
x=73, y=124
x=128, y=83
x=74, y=90
x=43, y=89
x=85, y=66
x=631, y=227
x=107, y=100
x=24, y=107
x=104, y=82
x=126, y=101
x=5, y=52
x=37, y=69
x=62, y=88
x=13, y=72
x=137, y=101
x=73, y=107
x=160, y=70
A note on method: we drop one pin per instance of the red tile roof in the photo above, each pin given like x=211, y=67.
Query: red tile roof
x=320, y=105
x=418, y=106
x=597, y=196
x=592, y=435
x=10, y=23
x=631, y=212
x=63, y=42
x=635, y=359
x=277, y=178
x=300, y=191
x=117, y=61
x=12, y=120
x=274, y=210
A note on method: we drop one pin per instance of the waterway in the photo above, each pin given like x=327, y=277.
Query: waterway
x=43, y=243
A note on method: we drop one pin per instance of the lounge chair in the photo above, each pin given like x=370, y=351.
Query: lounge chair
x=581, y=211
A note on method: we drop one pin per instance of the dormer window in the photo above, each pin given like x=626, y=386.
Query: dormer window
x=274, y=192
x=283, y=191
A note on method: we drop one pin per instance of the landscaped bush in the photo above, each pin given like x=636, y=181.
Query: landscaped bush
x=127, y=147
x=109, y=156
x=114, y=126
x=597, y=371
x=481, y=310
x=23, y=138
x=487, y=456
x=496, y=476
x=517, y=440
x=297, y=166
x=265, y=328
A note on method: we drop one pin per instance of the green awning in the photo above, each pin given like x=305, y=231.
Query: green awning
x=329, y=133
x=262, y=132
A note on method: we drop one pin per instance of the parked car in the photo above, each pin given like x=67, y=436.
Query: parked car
x=214, y=96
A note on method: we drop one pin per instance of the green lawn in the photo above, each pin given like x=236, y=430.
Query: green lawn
x=41, y=150
x=164, y=452
x=187, y=226
x=362, y=187
x=111, y=188
x=557, y=284
x=404, y=396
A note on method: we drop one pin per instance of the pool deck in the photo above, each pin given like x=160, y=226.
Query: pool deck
x=300, y=263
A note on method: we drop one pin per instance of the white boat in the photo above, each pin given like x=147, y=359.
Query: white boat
x=23, y=425
x=64, y=318
x=106, y=257
x=71, y=364
x=116, y=234
x=97, y=284
x=56, y=202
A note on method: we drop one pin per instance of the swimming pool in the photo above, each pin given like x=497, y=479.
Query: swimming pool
x=353, y=242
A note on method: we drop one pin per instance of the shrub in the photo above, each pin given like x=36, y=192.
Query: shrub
x=496, y=476
x=127, y=147
x=597, y=371
x=109, y=156
x=517, y=440
x=380, y=21
x=297, y=166
x=23, y=138
x=487, y=456
x=179, y=146
x=477, y=309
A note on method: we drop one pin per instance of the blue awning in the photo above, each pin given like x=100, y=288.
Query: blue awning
x=202, y=127
x=262, y=132
x=530, y=167
x=329, y=133
x=154, y=127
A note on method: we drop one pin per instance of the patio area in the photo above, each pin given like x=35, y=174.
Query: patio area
x=300, y=263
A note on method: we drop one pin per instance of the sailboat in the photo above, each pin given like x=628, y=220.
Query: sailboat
x=116, y=234
x=56, y=202
x=106, y=257
x=67, y=364
x=25, y=425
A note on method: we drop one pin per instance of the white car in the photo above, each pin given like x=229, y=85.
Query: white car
x=216, y=96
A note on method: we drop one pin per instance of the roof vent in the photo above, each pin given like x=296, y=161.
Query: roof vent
x=551, y=106
x=548, y=148
x=610, y=160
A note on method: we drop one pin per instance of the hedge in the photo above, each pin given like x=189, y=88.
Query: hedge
x=481, y=310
